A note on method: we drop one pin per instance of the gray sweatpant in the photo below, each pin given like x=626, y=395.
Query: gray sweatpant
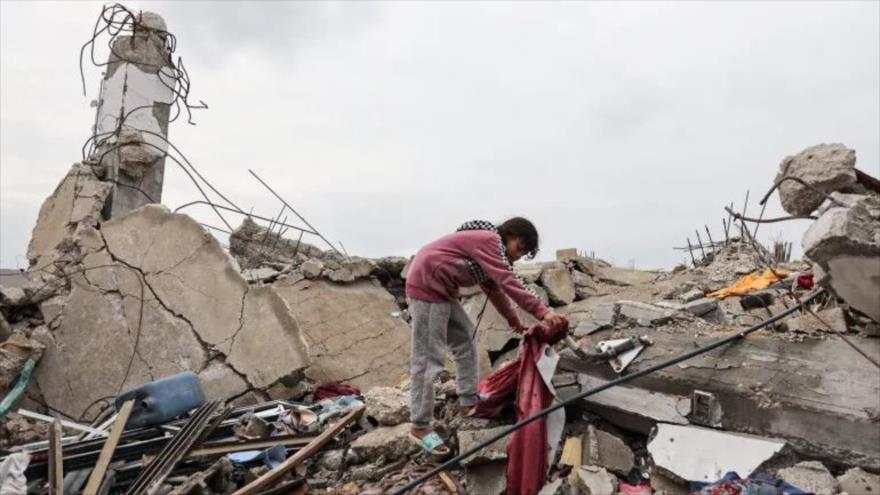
x=436, y=326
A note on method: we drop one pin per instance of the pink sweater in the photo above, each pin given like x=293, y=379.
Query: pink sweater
x=441, y=268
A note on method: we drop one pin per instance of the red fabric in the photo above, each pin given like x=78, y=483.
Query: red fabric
x=527, y=449
x=498, y=390
x=805, y=281
x=627, y=489
x=335, y=389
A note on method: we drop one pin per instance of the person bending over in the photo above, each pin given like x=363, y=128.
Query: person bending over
x=478, y=253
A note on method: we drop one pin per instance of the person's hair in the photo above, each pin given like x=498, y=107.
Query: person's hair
x=523, y=229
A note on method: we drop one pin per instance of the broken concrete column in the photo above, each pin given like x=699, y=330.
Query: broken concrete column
x=844, y=243
x=76, y=203
x=131, y=124
x=825, y=167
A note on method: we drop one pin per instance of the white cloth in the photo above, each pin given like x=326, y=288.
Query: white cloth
x=12, y=480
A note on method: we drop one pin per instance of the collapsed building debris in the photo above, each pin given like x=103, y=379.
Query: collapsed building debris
x=309, y=347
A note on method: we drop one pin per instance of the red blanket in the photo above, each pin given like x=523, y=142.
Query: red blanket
x=520, y=379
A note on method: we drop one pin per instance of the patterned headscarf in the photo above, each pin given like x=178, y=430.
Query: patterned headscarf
x=477, y=271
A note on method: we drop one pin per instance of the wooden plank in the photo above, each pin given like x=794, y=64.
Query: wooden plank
x=56, y=459
x=309, y=450
x=450, y=483
x=97, y=476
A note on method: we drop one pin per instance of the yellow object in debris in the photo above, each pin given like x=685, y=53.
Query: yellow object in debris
x=750, y=283
x=571, y=455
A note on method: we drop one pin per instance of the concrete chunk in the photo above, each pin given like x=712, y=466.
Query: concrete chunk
x=807, y=323
x=494, y=452
x=691, y=295
x=391, y=442
x=601, y=448
x=487, y=479
x=604, y=314
x=624, y=276
x=645, y=314
x=388, y=405
x=858, y=481
x=593, y=480
x=566, y=254
x=559, y=285
x=845, y=245
x=826, y=167
x=811, y=477
x=529, y=272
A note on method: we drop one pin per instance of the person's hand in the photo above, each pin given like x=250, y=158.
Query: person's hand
x=553, y=320
x=518, y=328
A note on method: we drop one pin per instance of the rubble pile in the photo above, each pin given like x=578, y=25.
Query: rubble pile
x=274, y=365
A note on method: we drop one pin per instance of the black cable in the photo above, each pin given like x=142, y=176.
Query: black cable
x=613, y=383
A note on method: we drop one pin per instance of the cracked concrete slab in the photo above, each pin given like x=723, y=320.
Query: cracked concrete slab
x=95, y=345
x=268, y=348
x=155, y=290
x=219, y=382
x=350, y=330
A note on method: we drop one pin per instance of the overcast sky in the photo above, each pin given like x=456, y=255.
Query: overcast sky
x=618, y=128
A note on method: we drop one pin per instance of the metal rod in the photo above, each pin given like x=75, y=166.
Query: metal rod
x=729, y=219
x=772, y=220
x=691, y=252
x=760, y=218
x=711, y=242
x=294, y=211
x=218, y=229
x=605, y=386
x=724, y=224
x=742, y=226
x=701, y=244
x=803, y=183
x=214, y=205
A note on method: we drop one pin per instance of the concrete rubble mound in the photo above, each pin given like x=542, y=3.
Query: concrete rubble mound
x=141, y=355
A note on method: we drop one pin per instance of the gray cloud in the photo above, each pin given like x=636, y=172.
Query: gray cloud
x=618, y=128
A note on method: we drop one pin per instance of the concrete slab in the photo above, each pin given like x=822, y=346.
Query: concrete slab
x=818, y=394
x=350, y=331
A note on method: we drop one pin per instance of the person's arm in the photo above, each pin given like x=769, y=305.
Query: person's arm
x=502, y=303
x=489, y=256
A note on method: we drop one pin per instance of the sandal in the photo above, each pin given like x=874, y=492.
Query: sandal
x=431, y=443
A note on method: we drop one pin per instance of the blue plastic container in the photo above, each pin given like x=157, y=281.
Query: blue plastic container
x=159, y=401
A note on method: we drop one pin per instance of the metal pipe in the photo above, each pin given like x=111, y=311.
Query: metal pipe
x=605, y=386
